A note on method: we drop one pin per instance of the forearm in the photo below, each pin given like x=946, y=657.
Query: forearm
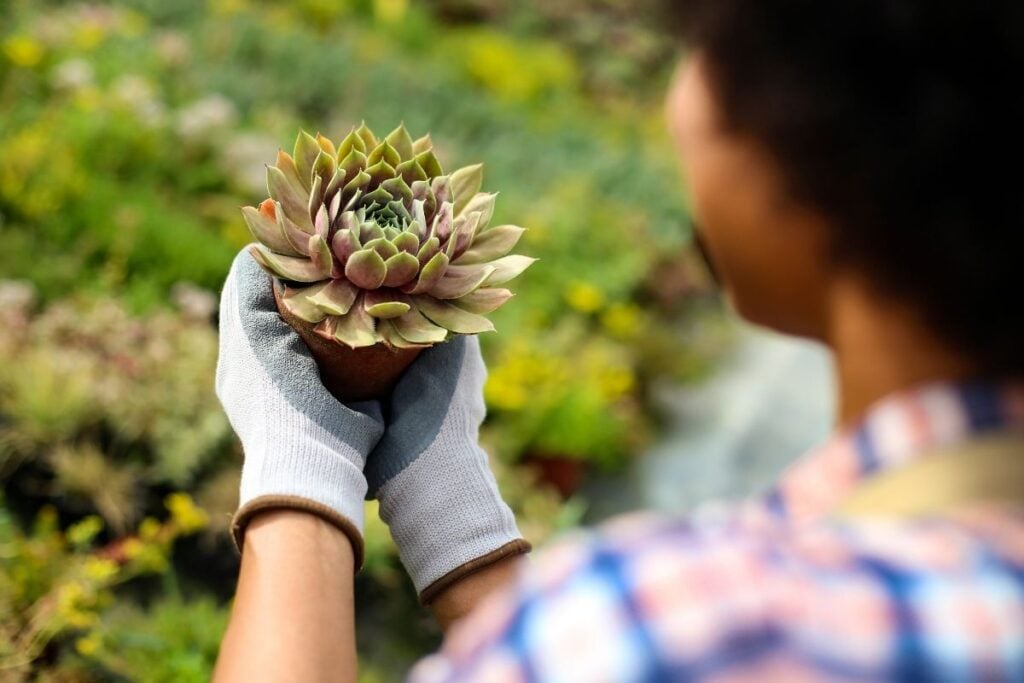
x=294, y=614
x=462, y=597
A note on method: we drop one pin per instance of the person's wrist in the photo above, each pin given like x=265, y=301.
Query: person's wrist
x=266, y=527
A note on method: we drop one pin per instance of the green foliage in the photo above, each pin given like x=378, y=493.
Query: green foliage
x=58, y=588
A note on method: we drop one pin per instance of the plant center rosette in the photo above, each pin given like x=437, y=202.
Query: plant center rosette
x=377, y=246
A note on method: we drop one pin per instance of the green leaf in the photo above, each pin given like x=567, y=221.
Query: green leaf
x=361, y=180
x=384, y=304
x=324, y=166
x=296, y=206
x=379, y=196
x=458, y=281
x=356, y=329
x=353, y=162
x=398, y=189
x=326, y=145
x=415, y=328
x=352, y=142
x=427, y=251
x=322, y=222
x=411, y=172
x=369, y=139
x=307, y=149
x=483, y=202
x=428, y=160
x=380, y=172
x=321, y=256
x=452, y=317
x=407, y=241
x=423, y=144
x=383, y=246
x=402, y=268
x=507, y=268
x=298, y=302
x=287, y=166
x=441, y=188
x=443, y=222
x=401, y=141
x=430, y=274
x=386, y=153
x=492, y=244
x=267, y=231
x=366, y=269
x=466, y=183
x=387, y=331
x=462, y=235
x=286, y=267
x=370, y=231
x=335, y=297
x=297, y=238
x=484, y=300
x=344, y=244
x=316, y=197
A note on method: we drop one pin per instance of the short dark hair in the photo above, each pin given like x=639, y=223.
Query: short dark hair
x=893, y=118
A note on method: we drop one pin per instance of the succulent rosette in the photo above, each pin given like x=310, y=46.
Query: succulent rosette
x=376, y=244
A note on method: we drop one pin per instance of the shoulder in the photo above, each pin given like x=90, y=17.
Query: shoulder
x=649, y=597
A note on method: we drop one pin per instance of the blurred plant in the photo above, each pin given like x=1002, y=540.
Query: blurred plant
x=56, y=587
x=171, y=641
x=104, y=415
x=516, y=70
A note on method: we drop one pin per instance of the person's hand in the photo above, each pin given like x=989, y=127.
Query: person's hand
x=436, y=490
x=303, y=449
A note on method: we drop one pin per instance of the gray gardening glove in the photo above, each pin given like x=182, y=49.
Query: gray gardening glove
x=436, y=490
x=303, y=449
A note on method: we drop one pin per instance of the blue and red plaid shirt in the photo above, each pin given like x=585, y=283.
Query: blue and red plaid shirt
x=775, y=589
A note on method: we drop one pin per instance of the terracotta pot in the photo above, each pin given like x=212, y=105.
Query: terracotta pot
x=562, y=473
x=352, y=374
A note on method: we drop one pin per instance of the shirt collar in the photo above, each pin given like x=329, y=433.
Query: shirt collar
x=900, y=428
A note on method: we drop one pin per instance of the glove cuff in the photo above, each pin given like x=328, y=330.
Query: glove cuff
x=247, y=512
x=510, y=549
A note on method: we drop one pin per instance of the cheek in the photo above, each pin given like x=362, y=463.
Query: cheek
x=769, y=264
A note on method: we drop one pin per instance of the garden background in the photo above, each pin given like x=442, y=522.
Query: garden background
x=130, y=134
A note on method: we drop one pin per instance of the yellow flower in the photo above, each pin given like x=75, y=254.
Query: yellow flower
x=132, y=548
x=89, y=35
x=622, y=320
x=74, y=601
x=82, y=533
x=615, y=382
x=149, y=529
x=99, y=570
x=584, y=297
x=23, y=51
x=188, y=517
x=89, y=645
x=227, y=7
x=390, y=11
x=503, y=392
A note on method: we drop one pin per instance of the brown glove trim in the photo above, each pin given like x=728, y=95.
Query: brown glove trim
x=430, y=593
x=257, y=505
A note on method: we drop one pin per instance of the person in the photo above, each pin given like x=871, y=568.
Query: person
x=845, y=164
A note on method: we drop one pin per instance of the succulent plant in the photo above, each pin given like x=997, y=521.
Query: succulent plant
x=376, y=244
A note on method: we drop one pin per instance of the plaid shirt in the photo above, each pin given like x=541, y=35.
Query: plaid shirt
x=770, y=589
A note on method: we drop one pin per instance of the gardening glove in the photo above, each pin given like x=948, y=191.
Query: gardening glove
x=303, y=449
x=436, y=490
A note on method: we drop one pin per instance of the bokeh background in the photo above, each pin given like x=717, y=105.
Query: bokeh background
x=130, y=134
